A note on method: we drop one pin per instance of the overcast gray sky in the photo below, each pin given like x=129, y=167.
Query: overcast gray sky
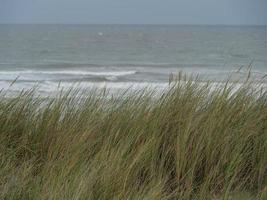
x=245, y=12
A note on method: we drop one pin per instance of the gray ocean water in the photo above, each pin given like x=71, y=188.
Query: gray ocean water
x=122, y=55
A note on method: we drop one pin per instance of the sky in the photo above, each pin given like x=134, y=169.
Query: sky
x=205, y=12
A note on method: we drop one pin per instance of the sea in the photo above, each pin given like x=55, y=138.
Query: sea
x=55, y=57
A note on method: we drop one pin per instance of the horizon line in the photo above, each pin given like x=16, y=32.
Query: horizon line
x=133, y=24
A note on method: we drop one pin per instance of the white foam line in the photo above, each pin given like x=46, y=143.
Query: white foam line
x=70, y=72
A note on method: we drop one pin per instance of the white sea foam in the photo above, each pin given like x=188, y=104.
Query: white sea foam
x=51, y=88
x=70, y=72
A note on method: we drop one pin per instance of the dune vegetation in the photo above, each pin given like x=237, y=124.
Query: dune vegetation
x=189, y=142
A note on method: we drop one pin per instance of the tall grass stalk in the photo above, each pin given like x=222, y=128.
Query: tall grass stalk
x=189, y=142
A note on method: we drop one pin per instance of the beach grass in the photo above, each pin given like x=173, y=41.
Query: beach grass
x=192, y=141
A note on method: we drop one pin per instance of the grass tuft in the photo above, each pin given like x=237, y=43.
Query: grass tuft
x=189, y=142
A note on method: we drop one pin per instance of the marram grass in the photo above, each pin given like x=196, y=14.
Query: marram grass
x=189, y=142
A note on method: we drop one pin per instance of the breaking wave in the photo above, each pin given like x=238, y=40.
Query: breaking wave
x=69, y=72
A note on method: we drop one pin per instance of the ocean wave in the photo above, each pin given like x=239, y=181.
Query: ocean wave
x=70, y=72
x=53, y=88
x=85, y=63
